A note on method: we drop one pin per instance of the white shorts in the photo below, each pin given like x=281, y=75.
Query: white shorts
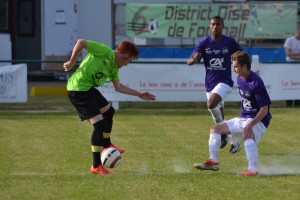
x=221, y=89
x=236, y=127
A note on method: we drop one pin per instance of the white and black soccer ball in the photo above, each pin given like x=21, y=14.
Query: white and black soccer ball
x=111, y=158
x=153, y=26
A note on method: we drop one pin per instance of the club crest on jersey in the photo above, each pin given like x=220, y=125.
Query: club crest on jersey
x=247, y=94
x=225, y=50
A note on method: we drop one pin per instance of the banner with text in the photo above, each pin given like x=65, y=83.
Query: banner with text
x=182, y=83
x=13, y=83
x=272, y=20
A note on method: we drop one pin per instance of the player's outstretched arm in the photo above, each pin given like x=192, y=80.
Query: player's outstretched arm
x=79, y=46
x=119, y=87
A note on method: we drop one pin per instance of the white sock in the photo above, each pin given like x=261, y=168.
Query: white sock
x=230, y=139
x=216, y=114
x=251, y=154
x=214, y=144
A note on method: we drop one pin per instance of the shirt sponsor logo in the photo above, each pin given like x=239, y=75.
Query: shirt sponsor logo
x=216, y=64
x=247, y=104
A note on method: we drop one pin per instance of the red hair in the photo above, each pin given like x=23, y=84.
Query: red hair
x=128, y=47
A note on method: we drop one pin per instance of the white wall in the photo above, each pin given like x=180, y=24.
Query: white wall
x=60, y=27
x=95, y=20
x=5, y=48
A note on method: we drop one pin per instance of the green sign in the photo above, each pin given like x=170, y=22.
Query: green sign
x=242, y=20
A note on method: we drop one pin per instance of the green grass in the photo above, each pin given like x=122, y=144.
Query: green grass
x=45, y=154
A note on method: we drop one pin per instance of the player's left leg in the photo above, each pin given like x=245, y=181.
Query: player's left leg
x=108, y=113
x=252, y=156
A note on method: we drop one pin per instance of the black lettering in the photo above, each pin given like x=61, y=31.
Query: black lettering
x=169, y=12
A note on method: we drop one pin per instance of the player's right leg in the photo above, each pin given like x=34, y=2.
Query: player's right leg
x=97, y=143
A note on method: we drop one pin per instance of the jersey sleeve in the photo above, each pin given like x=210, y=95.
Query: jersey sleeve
x=114, y=76
x=261, y=94
x=97, y=49
x=198, y=49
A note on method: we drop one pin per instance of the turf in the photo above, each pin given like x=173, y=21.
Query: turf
x=45, y=154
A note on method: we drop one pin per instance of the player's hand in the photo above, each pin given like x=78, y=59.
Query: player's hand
x=147, y=96
x=67, y=66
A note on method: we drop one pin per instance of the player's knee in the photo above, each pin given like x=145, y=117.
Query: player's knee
x=209, y=105
x=215, y=129
x=212, y=130
x=214, y=101
x=108, y=119
x=109, y=114
x=212, y=105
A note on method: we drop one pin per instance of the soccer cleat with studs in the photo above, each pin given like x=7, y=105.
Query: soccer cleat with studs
x=224, y=140
x=207, y=165
x=113, y=146
x=235, y=148
x=249, y=173
x=99, y=170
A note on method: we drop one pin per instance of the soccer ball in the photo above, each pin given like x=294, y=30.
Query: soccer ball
x=111, y=158
x=153, y=26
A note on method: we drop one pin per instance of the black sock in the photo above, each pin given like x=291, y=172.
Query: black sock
x=106, y=142
x=96, y=159
x=97, y=142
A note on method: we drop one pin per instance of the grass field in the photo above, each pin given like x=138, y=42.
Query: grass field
x=45, y=154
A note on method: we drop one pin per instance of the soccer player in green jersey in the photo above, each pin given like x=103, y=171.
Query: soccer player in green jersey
x=100, y=64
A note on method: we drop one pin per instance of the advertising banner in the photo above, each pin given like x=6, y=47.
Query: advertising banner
x=183, y=83
x=272, y=20
x=13, y=83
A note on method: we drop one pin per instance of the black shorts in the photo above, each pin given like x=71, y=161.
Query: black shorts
x=87, y=103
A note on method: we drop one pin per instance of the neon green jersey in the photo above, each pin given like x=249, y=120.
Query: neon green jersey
x=98, y=66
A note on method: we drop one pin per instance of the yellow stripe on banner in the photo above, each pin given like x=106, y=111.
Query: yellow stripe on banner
x=48, y=91
x=106, y=135
x=96, y=148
